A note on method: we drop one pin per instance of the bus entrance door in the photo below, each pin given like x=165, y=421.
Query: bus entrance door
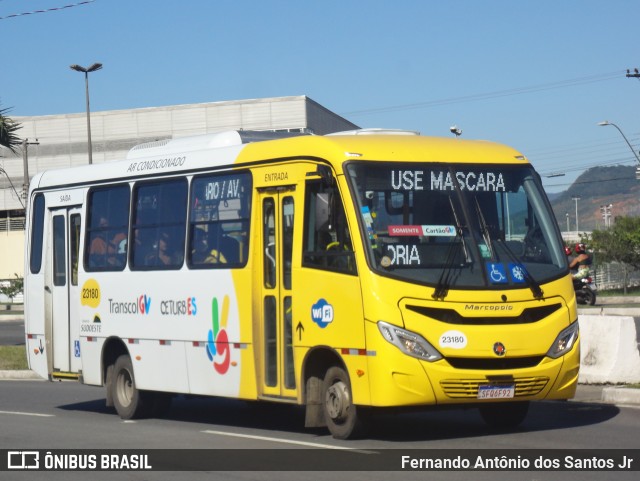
x=277, y=375
x=62, y=296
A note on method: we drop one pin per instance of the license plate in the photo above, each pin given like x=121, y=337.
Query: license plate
x=501, y=391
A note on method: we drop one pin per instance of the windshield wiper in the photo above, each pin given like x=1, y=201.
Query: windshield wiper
x=442, y=287
x=486, y=235
x=537, y=292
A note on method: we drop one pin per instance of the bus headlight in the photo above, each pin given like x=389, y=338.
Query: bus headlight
x=409, y=342
x=565, y=341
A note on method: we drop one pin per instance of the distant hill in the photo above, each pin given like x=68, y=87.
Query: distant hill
x=598, y=186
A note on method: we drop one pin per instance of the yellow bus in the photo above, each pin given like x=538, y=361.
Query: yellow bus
x=345, y=273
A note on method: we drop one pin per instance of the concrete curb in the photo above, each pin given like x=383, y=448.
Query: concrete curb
x=620, y=395
x=20, y=375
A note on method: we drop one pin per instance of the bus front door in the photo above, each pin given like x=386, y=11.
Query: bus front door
x=62, y=292
x=276, y=366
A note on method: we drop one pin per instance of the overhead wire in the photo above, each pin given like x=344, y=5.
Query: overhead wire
x=489, y=95
x=597, y=152
x=46, y=10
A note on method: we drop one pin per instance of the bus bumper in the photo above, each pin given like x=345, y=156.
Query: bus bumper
x=396, y=379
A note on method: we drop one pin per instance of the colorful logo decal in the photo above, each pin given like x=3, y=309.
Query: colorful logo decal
x=322, y=313
x=218, y=340
x=144, y=304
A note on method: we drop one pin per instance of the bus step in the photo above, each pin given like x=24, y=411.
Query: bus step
x=65, y=375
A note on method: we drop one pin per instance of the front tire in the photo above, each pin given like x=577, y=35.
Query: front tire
x=343, y=418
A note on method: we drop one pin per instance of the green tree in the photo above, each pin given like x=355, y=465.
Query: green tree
x=13, y=287
x=8, y=129
x=620, y=243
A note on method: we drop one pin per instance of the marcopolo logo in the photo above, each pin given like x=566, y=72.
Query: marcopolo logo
x=322, y=313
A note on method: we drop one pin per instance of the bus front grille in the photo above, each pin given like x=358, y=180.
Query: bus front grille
x=493, y=364
x=468, y=388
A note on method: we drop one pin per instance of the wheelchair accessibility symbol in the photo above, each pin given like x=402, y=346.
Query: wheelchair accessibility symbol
x=496, y=273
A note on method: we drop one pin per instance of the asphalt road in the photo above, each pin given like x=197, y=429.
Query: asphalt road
x=68, y=415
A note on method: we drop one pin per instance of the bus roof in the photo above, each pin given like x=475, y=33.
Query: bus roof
x=234, y=148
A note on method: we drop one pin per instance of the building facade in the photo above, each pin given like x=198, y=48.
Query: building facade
x=60, y=141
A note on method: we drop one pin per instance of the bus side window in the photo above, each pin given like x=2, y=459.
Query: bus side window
x=219, y=221
x=327, y=242
x=158, y=224
x=107, y=228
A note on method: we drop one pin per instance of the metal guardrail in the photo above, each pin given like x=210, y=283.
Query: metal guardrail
x=611, y=276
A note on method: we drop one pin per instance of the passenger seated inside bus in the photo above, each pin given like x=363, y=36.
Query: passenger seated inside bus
x=108, y=246
x=98, y=246
x=214, y=247
x=165, y=253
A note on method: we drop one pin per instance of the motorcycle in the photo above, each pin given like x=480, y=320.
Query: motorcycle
x=585, y=290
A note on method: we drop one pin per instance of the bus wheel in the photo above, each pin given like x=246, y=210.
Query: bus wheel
x=130, y=402
x=504, y=415
x=341, y=415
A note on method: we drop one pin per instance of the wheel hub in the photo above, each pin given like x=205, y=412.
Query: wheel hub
x=124, y=388
x=337, y=401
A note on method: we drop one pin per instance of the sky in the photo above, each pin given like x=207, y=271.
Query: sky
x=535, y=75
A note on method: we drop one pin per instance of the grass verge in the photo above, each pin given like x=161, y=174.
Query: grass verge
x=13, y=358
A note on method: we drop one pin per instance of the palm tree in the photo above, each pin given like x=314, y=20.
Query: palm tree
x=8, y=129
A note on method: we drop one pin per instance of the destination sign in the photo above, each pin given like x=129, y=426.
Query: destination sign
x=443, y=180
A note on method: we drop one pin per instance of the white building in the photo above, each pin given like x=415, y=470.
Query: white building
x=60, y=141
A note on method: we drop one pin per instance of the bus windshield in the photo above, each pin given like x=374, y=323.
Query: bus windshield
x=457, y=225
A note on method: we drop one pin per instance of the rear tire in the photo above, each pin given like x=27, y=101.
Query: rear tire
x=343, y=418
x=129, y=401
x=504, y=415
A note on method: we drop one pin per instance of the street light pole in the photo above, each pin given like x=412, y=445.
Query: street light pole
x=606, y=122
x=86, y=71
x=25, y=166
x=576, y=198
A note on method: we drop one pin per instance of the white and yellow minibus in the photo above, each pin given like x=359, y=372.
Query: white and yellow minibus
x=348, y=272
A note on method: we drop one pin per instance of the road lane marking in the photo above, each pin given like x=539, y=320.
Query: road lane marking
x=287, y=441
x=18, y=413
